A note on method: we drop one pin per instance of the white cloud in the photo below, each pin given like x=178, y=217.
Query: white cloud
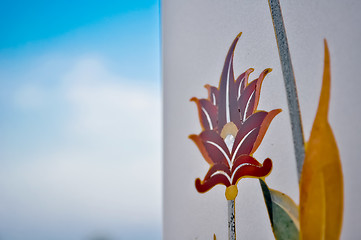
x=78, y=185
x=29, y=97
x=105, y=104
x=107, y=173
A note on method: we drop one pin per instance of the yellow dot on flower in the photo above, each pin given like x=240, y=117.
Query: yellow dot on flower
x=231, y=192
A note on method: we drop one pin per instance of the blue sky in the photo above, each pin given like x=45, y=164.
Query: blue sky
x=80, y=121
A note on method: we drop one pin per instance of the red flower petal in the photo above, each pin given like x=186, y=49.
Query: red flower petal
x=253, y=122
x=248, y=101
x=223, y=169
x=258, y=87
x=217, y=174
x=250, y=170
x=203, y=187
x=212, y=94
x=207, y=113
x=242, y=82
x=245, y=145
x=227, y=107
x=244, y=159
x=212, y=179
x=264, y=126
x=216, y=148
x=245, y=98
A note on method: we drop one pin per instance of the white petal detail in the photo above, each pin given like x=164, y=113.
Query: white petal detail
x=239, y=88
x=214, y=99
x=246, y=109
x=228, y=110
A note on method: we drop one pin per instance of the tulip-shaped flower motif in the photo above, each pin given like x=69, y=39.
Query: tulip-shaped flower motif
x=233, y=129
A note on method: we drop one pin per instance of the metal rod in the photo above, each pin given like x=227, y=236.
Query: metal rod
x=231, y=221
x=290, y=84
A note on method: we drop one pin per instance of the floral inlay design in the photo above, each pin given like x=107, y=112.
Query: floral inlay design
x=233, y=129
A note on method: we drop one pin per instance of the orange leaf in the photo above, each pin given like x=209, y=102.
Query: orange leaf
x=321, y=186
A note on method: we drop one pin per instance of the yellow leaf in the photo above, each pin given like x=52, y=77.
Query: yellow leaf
x=321, y=186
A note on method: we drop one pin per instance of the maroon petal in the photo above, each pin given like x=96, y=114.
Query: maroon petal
x=216, y=148
x=244, y=159
x=207, y=113
x=249, y=99
x=245, y=145
x=264, y=126
x=258, y=87
x=219, y=167
x=212, y=94
x=253, y=122
x=227, y=108
x=242, y=82
x=243, y=101
x=207, y=184
x=251, y=102
x=251, y=170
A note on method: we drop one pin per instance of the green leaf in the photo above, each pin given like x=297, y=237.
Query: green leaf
x=283, y=213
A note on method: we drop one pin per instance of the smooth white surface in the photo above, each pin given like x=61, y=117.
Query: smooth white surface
x=196, y=38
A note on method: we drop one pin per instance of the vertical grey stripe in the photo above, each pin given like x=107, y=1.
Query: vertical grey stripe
x=290, y=83
x=231, y=221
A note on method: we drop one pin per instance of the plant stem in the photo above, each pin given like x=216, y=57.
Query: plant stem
x=290, y=84
x=231, y=221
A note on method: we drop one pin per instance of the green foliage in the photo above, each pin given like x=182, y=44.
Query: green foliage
x=283, y=213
